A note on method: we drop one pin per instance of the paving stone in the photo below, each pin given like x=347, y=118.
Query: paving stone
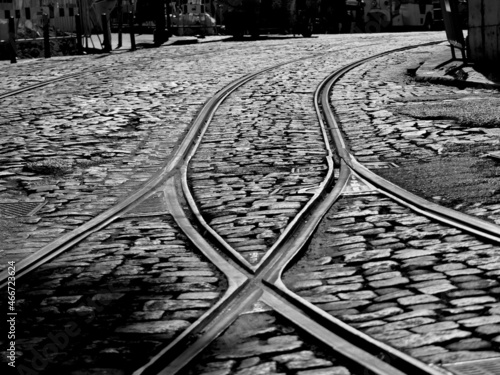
x=367, y=255
x=402, y=324
x=417, y=299
x=252, y=348
x=380, y=314
x=469, y=344
x=472, y=300
x=427, y=351
x=480, y=321
x=261, y=369
x=334, y=370
x=343, y=305
x=170, y=328
x=412, y=314
x=435, y=327
x=389, y=282
x=460, y=356
x=488, y=329
x=417, y=340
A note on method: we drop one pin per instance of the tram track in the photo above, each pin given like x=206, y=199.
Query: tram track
x=65, y=77
x=262, y=282
x=68, y=240
x=92, y=70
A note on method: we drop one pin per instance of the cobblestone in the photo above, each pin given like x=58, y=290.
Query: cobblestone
x=102, y=135
x=423, y=304
x=118, y=318
x=265, y=343
x=265, y=150
x=383, y=114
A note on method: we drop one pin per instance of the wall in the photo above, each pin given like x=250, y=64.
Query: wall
x=484, y=33
x=28, y=15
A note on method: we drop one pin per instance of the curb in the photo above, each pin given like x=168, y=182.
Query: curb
x=433, y=70
x=448, y=81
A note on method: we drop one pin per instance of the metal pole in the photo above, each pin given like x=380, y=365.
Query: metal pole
x=169, y=22
x=12, y=41
x=78, y=23
x=132, y=31
x=46, y=35
x=159, y=35
x=120, y=23
x=105, y=32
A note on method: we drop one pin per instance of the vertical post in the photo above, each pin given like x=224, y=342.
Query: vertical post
x=132, y=31
x=12, y=41
x=159, y=35
x=105, y=32
x=79, y=33
x=46, y=35
x=120, y=22
x=169, y=21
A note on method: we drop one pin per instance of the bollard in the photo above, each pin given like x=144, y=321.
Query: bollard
x=12, y=41
x=46, y=35
x=105, y=32
x=79, y=45
x=120, y=22
x=132, y=32
x=159, y=33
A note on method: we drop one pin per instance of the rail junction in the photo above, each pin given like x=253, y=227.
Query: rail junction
x=265, y=240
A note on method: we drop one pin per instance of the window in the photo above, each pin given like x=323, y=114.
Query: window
x=51, y=11
x=27, y=12
x=61, y=12
x=71, y=12
x=18, y=13
x=7, y=14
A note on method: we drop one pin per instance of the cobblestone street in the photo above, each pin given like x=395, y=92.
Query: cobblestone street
x=176, y=282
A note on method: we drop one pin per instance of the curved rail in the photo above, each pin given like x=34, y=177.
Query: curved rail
x=248, y=284
x=197, y=128
x=70, y=239
x=460, y=220
x=349, y=163
x=264, y=283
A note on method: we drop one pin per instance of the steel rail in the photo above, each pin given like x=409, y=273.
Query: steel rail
x=50, y=81
x=320, y=190
x=184, y=350
x=261, y=283
x=265, y=284
x=70, y=239
x=273, y=279
x=75, y=236
x=292, y=248
x=66, y=241
x=460, y=220
x=237, y=280
x=86, y=71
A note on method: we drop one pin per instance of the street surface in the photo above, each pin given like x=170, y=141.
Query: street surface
x=70, y=150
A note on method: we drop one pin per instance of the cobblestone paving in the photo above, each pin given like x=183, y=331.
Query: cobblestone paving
x=422, y=287
x=261, y=160
x=264, y=154
x=262, y=342
x=110, y=303
x=370, y=111
x=33, y=71
x=101, y=136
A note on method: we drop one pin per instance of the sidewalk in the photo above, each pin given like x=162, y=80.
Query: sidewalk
x=147, y=40
x=440, y=69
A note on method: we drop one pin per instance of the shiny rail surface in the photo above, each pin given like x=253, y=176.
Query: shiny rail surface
x=263, y=282
x=249, y=284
